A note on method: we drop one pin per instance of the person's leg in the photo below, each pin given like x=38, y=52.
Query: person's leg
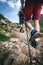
x=36, y=25
x=28, y=12
x=33, y=31
x=23, y=22
x=36, y=17
x=21, y=28
x=22, y=25
x=29, y=25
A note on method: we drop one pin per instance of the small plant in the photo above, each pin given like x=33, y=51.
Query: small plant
x=3, y=37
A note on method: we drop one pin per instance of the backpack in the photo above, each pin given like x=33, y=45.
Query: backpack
x=27, y=2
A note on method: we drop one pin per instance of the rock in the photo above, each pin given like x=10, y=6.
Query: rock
x=34, y=52
x=16, y=51
x=21, y=60
x=8, y=34
x=9, y=60
x=21, y=36
x=14, y=39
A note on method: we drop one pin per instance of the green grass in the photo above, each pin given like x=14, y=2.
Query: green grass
x=3, y=28
x=3, y=37
x=3, y=31
x=41, y=29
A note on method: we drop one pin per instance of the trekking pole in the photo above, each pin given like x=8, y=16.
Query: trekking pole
x=29, y=51
x=22, y=3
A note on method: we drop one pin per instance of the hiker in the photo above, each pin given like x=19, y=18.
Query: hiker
x=21, y=20
x=33, y=7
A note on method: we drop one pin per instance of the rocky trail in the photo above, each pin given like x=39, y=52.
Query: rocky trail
x=15, y=51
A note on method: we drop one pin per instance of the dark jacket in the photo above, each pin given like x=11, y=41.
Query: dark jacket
x=27, y=2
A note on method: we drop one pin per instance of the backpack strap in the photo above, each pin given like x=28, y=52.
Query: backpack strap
x=22, y=3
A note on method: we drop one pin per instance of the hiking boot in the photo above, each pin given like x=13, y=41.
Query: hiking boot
x=22, y=30
x=34, y=43
x=34, y=35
